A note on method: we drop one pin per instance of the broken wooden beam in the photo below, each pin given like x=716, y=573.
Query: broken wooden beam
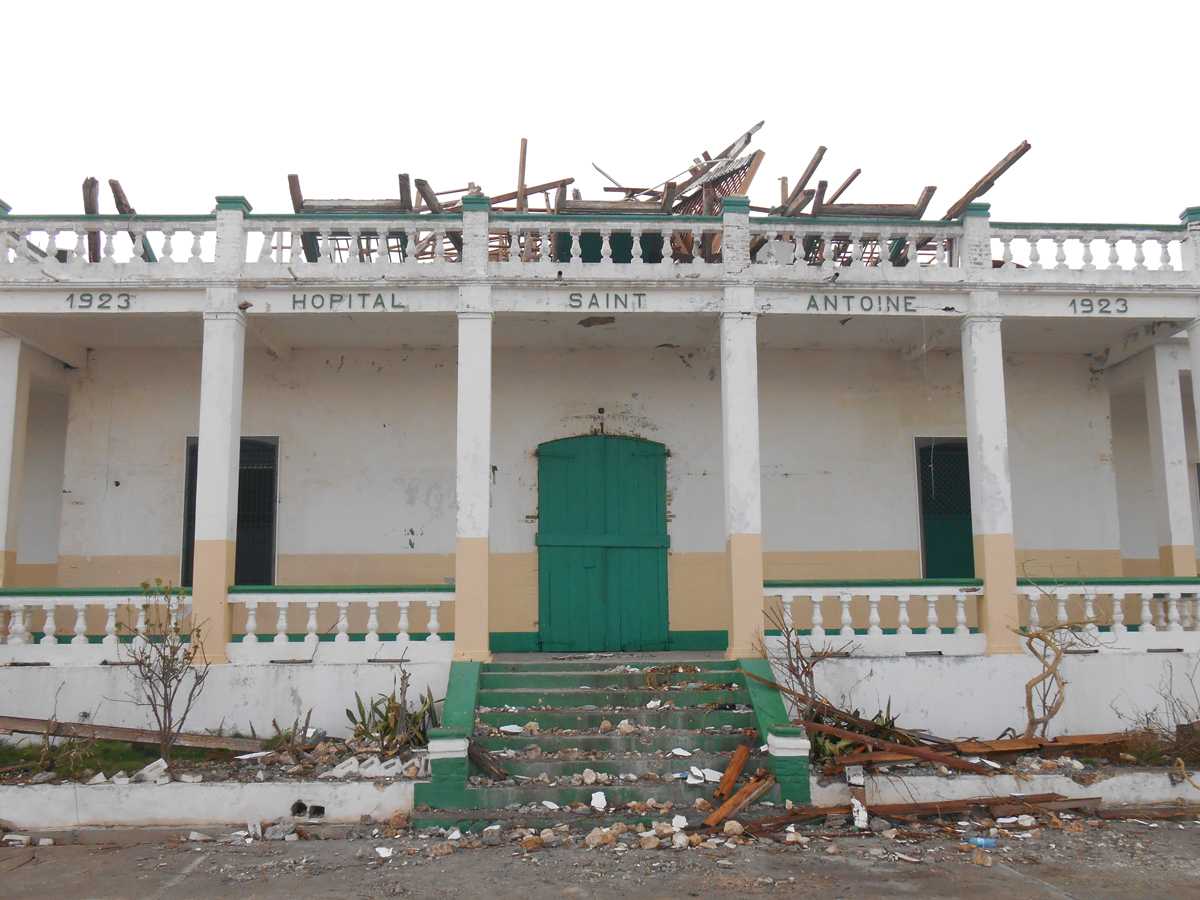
x=750, y=791
x=125, y=208
x=845, y=184
x=435, y=206
x=885, y=210
x=946, y=759
x=522, y=195
x=737, y=762
x=91, y=731
x=485, y=762
x=405, y=192
x=91, y=207
x=984, y=184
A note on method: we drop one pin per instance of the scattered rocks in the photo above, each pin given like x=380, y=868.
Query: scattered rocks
x=150, y=772
x=491, y=836
x=198, y=837
x=606, y=726
x=445, y=848
x=649, y=842
x=733, y=827
x=43, y=777
x=279, y=831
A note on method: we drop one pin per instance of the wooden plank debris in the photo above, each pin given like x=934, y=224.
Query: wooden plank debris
x=737, y=762
x=984, y=184
x=92, y=731
x=945, y=759
x=485, y=761
x=928, y=808
x=405, y=193
x=125, y=208
x=522, y=196
x=750, y=791
x=91, y=207
x=897, y=210
x=845, y=184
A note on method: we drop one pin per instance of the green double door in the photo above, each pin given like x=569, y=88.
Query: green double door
x=602, y=544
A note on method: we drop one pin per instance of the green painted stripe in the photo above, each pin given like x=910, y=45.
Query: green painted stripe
x=1086, y=226
x=514, y=642
x=606, y=219
x=1100, y=582
x=767, y=702
x=135, y=591
x=698, y=640
x=820, y=223
x=603, y=540
x=414, y=218
x=111, y=218
x=265, y=637
x=341, y=588
x=879, y=583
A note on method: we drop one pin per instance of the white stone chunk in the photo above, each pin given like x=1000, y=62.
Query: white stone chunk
x=599, y=801
x=150, y=772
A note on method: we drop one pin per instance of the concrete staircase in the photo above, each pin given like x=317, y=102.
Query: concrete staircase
x=601, y=715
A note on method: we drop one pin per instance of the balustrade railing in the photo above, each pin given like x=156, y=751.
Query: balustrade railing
x=317, y=246
x=65, y=627
x=674, y=242
x=879, y=618
x=1103, y=249
x=126, y=244
x=333, y=623
x=350, y=243
x=1117, y=614
x=901, y=249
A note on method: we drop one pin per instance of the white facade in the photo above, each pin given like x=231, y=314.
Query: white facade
x=408, y=399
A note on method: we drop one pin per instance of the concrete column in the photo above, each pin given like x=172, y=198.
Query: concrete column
x=743, y=488
x=991, y=481
x=219, y=451
x=14, y=416
x=473, y=484
x=1169, y=462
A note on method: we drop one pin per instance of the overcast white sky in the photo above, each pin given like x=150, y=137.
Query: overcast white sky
x=184, y=101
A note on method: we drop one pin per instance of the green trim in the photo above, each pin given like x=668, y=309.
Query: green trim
x=297, y=637
x=234, y=202
x=112, y=218
x=819, y=223
x=341, y=588
x=792, y=773
x=735, y=204
x=698, y=640
x=879, y=583
x=458, y=711
x=1085, y=226
x=87, y=592
x=835, y=629
x=414, y=218
x=976, y=210
x=5, y=209
x=514, y=642
x=522, y=218
x=1189, y=215
x=476, y=203
x=766, y=701
x=1097, y=582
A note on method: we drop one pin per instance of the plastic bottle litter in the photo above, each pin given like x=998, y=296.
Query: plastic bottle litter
x=987, y=843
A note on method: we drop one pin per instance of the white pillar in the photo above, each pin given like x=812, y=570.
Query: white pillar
x=473, y=484
x=14, y=415
x=742, y=478
x=1169, y=462
x=219, y=451
x=991, y=480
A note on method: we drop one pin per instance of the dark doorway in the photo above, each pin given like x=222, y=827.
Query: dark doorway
x=945, y=488
x=257, y=470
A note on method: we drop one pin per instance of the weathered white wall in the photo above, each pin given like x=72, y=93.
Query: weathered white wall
x=1135, y=493
x=981, y=696
x=41, y=502
x=235, y=697
x=367, y=445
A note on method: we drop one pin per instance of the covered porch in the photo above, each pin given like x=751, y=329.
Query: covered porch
x=815, y=469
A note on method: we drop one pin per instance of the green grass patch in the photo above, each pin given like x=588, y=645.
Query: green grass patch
x=72, y=759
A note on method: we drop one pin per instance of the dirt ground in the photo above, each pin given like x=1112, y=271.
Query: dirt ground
x=1107, y=859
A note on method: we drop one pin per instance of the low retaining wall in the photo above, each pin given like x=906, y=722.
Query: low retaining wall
x=1125, y=787
x=46, y=806
x=980, y=696
x=235, y=697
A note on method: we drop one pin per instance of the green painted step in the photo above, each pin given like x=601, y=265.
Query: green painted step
x=644, y=742
x=618, y=765
x=594, y=679
x=678, y=792
x=593, y=665
x=573, y=698
x=693, y=718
